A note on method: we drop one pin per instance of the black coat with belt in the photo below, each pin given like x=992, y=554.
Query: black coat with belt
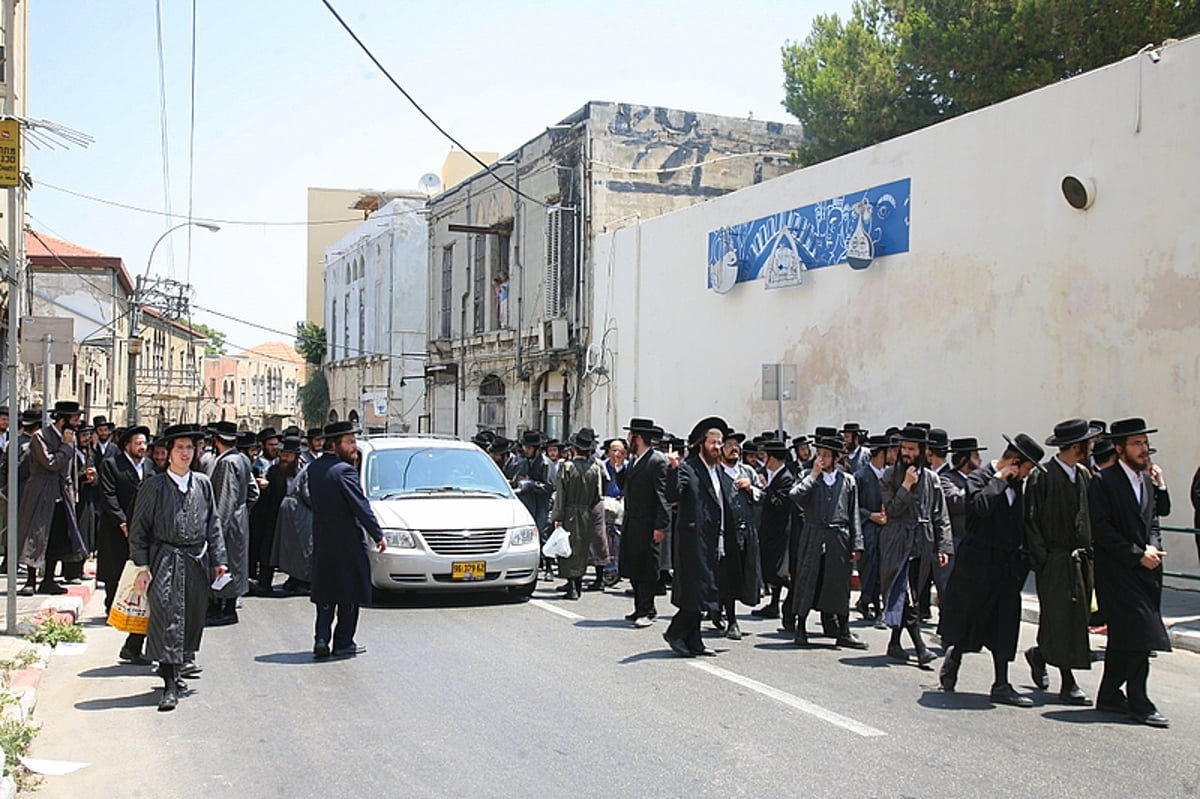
x=698, y=524
x=775, y=528
x=1129, y=594
x=646, y=510
x=118, y=485
x=342, y=518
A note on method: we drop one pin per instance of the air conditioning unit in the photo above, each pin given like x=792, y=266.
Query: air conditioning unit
x=555, y=334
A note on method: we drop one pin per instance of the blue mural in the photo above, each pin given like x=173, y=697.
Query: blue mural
x=853, y=228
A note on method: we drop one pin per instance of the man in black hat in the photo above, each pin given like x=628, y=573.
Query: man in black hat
x=236, y=491
x=982, y=607
x=105, y=446
x=1058, y=540
x=855, y=455
x=268, y=438
x=532, y=480
x=314, y=441
x=264, y=516
x=871, y=518
x=702, y=489
x=341, y=568
x=802, y=450
x=1125, y=502
x=939, y=449
x=740, y=577
x=120, y=478
x=830, y=542
x=915, y=536
x=775, y=526
x=647, y=518
x=48, y=529
x=580, y=485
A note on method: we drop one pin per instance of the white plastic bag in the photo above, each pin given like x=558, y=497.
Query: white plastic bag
x=558, y=545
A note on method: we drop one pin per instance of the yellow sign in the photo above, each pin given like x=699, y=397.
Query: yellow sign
x=10, y=152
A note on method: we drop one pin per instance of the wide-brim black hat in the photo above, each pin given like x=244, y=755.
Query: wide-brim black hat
x=1072, y=431
x=532, y=438
x=1030, y=450
x=967, y=444
x=854, y=427
x=1104, y=448
x=246, y=439
x=267, y=433
x=825, y=432
x=750, y=447
x=101, y=421
x=129, y=432
x=939, y=439
x=552, y=442
x=1123, y=428
x=314, y=432
x=831, y=443
x=641, y=425
x=584, y=440
x=704, y=425
x=732, y=436
x=776, y=449
x=292, y=444
x=175, y=431
x=226, y=431
x=331, y=430
x=65, y=408
x=483, y=439
x=801, y=440
x=914, y=433
x=878, y=442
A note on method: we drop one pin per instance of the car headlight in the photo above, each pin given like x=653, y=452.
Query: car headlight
x=400, y=539
x=523, y=535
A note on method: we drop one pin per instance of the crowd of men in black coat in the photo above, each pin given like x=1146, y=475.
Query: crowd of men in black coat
x=909, y=514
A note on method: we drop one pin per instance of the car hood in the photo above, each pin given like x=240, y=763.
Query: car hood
x=450, y=512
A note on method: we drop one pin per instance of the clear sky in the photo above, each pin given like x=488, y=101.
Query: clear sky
x=284, y=100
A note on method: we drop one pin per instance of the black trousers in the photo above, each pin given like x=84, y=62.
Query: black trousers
x=685, y=624
x=643, y=597
x=347, y=624
x=1130, y=668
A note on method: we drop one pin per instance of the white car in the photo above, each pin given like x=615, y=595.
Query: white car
x=449, y=516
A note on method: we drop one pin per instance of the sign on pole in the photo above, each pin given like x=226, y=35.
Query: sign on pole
x=10, y=153
x=35, y=329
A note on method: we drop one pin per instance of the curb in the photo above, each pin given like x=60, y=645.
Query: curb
x=1182, y=634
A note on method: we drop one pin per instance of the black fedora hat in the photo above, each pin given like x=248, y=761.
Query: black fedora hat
x=65, y=408
x=584, y=440
x=1030, y=450
x=292, y=431
x=775, y=449
x=831, y=443
x=750, y=447
x=315, y=432
x=1103, y=449
x=825, y=432
x=246, y=439
x=129, y=432
x=732, y=436
x=1103, y=425
x=86, y=428
x=939, y=439
x=101, y=421
x=483, y=439
x=1123, y=428
x=704, y=425
x=292, y=443
x=532, y=438
x=192, y=431
x=855, y=427
x=499, y=445
x=968, y=444
x=331, y=430
x=1072, y=431
x=801, y=440
x=878, y=442
x=267, y=433
x=552, y=442
x=226, y=431
x=639, y=424
x=914, y=433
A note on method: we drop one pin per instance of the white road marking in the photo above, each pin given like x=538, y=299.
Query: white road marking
x=803, y=705
x=544, y=605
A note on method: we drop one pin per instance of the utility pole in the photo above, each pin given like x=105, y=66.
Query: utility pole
x=14, y=298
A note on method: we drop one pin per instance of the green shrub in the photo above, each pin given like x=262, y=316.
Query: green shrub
x=54, y=632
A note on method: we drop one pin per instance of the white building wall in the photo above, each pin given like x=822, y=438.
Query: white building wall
x=1010, y=311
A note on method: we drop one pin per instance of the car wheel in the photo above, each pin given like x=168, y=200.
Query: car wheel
x=521, y=593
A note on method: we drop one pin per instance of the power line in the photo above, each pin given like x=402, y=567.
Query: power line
x=487, y=167
x=191, y=148
x=217, y=220
x=162, y=124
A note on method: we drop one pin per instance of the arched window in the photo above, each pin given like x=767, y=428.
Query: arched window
x=333, y=416
x=352, y=418
x=491, y=404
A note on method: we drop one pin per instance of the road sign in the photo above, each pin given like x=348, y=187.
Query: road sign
x=10, y=153
x=34, y=330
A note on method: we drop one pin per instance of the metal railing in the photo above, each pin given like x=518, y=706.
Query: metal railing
x=1191, y=532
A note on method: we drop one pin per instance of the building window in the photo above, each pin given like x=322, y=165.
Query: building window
x=333, y=331
x=491, y=404
x=447, y=288
x=479, y=281
x=346, y=327
x=500, y=279
x=243, y=392
x=362, y=321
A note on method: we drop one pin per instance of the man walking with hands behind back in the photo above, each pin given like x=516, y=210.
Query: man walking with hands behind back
x=341, y=571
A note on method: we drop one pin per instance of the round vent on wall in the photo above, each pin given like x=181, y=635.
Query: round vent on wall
x=1079, y=192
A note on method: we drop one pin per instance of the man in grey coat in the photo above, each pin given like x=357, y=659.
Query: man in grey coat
x=235, y=491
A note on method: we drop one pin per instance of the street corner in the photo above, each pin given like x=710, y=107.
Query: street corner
x=1185, y=636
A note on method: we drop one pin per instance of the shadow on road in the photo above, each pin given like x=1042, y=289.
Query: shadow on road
x=870, y=661
x=611, y=623
x=466, y=599
x=1083, y=715
x=304, y=657
x=654, y=654
x=117, y=670
x=941, y=700
x=147, y=699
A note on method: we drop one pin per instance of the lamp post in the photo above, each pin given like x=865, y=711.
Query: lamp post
x=135, y=320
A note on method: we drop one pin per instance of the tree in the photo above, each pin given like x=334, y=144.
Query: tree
x=216, y=339
x=314, y=400
x=310, y=342
x=898, y=65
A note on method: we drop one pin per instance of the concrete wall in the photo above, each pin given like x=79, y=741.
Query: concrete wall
x=1010, y=311
x=329, y=206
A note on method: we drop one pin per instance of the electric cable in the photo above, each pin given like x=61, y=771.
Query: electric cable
x=163, y=127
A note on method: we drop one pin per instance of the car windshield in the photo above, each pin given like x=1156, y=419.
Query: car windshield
x=417, y=470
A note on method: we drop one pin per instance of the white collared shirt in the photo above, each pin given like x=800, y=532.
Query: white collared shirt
x=878, y=471
x=182, y=483
x=1135, y=480
x=829, y=477
x=1071, y=470
x=771, y=474
x=137, y=465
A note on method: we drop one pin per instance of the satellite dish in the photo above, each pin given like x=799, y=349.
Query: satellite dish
x=430, y=183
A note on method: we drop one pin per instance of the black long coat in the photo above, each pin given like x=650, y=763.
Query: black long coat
x=1129, y=594
x=775, y=528
x=740, y=572
x=264, y=516
x=698, y=524
x=646, y=510
x=119, y=484
x=341, y=517
x=983, y=597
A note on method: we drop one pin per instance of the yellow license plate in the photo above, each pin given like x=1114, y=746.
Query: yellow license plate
x=468, y=570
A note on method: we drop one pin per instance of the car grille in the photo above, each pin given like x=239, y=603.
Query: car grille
x=465, y=542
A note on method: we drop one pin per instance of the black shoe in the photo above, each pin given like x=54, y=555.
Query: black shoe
x=1005, y=695
x=1117, y=705
x=632, y=616
x=594, y=585
x=565, y=587
x=321, y=650
x=51, y=588
x=572, y=591
x=851, y=641
x=948, y=677
x=1037, y=668
x=133, y=658
x=924, y=658
x=170, y=698
x=704, y=651
x=896, y=652
x=353, y=650
x=1074, y=696
x=717, y=622
x=801, y=638
x=678, y=646
x=788, y=624
x=1152, y=719
x=766, y=612
x=733, y=632
x=27, y=590
x=190, y=669
x=660, y=590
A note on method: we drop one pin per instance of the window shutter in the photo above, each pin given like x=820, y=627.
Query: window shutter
x=552, y=289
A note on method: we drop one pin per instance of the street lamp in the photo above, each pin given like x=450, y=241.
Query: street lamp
x=135, y=319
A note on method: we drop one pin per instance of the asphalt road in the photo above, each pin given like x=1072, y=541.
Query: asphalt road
x=476, y=696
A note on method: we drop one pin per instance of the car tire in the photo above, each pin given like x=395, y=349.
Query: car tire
x=522, y=593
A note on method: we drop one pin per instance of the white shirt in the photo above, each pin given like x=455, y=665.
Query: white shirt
x=1071, y=470
x=137, y=465
x=715, y=476
x=181, y=483
x=878, y=471
x=771, y=474
x=829, y=478
x=1135, y=480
